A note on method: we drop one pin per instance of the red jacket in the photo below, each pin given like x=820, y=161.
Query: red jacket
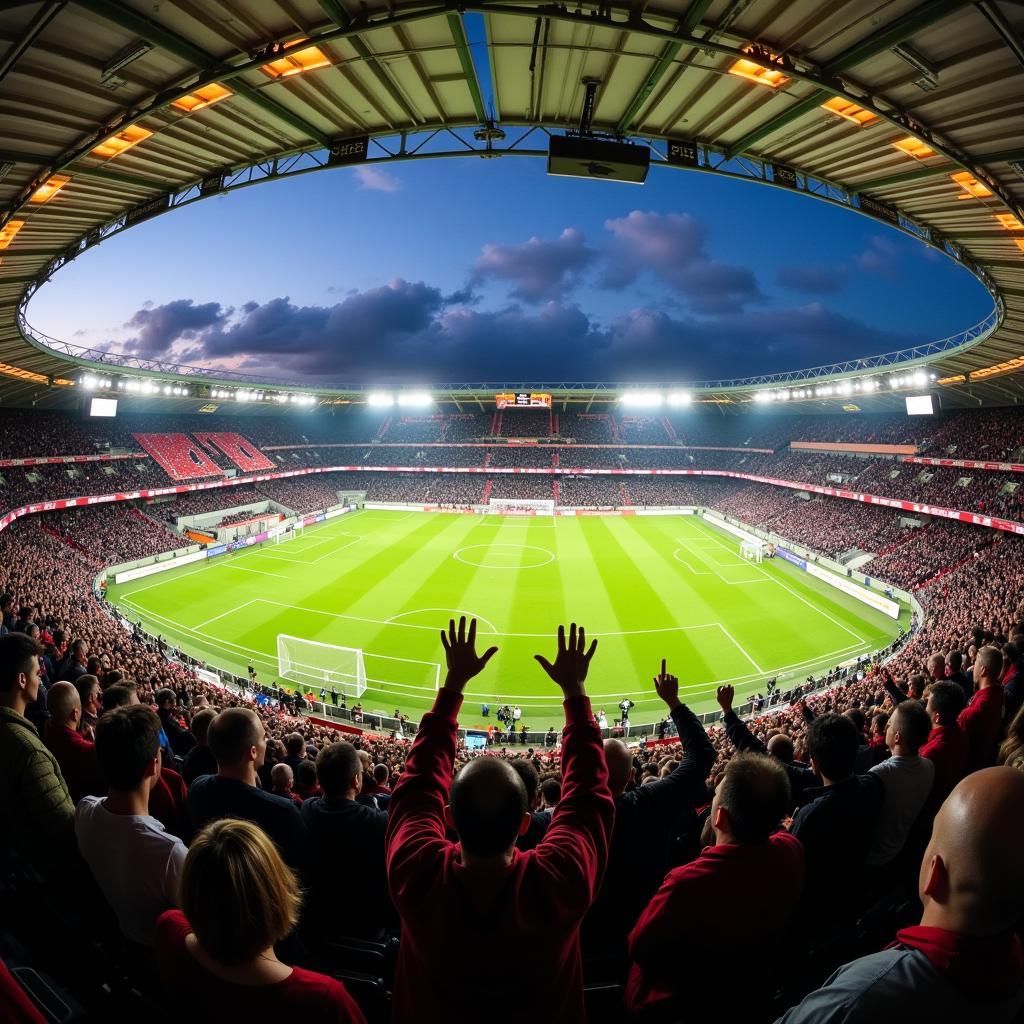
x=77, y=759
x=947, y=748
x=461, y=933
x=982, y=721
x=728, y=907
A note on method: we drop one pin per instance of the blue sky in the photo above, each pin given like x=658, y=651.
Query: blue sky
x=453, y=270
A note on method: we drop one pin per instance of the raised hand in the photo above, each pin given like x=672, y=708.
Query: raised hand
x=725, y=695
x=460, y=654
x=667, y=687
x=572, y=661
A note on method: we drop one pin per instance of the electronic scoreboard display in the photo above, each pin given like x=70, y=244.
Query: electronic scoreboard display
x=523, y=401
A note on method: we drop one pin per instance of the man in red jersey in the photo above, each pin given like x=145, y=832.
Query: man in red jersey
x=470, y=908
x=982, y=719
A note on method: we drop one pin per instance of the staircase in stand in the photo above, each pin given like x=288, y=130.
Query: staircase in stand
x=554, y=488
x=614, y=426
x=624, y=494
x=669, y=429
x=487, y=491
x=383, y=429
x=65, y=540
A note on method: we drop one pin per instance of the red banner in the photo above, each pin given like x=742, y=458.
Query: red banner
x=920, y=508
x=992, y=467
x=63, y=460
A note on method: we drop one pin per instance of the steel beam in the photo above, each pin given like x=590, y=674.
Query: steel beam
x=694, y=13
x=901, y=29
x=458, y=31
x=32, y=31
x=170, y=41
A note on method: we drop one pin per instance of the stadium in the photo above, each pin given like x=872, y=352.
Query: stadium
x=298, y=709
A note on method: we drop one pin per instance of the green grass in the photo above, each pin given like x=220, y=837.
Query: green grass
x=648, y=587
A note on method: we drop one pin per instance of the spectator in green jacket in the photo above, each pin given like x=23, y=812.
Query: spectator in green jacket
x=36, y=812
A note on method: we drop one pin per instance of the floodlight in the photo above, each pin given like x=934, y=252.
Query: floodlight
x=642, y=399
x=380, y=399
x=89, y=382
x=414, y=399
x=680, y=398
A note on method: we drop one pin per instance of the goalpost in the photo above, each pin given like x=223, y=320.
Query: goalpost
x=752, y=550
x=314, y=664
x=288, y=533
x=521, y=506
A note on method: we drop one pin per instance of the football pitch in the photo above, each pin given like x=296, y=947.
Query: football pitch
x=647, y=588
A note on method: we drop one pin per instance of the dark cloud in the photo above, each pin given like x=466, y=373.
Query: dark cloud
x=812, y=279
x=538, y=269
x=408, y=333
x=159, y=326
x=671, y=247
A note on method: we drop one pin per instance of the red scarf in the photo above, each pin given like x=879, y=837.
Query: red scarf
x=990, y=968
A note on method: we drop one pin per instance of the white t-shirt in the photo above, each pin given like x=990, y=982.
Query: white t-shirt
x=135, y=862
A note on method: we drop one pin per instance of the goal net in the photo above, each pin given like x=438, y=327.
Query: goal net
x=522, y=506
x=287, y=533
x=316, y=665
x=752, y=550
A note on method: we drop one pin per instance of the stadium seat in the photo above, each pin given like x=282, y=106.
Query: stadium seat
x=179, y=456
x=242, y=452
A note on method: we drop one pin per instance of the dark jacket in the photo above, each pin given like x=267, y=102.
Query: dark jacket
x=836, y=829
x=645, y=820
x=348, y=888
x=801, y=778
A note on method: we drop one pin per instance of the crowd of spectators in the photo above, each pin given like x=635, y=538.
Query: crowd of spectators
x=112, y=533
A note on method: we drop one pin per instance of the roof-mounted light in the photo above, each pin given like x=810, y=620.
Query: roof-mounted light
x=49, y=188
x=970, y=184
x=914, y=147
x=844, y=108
x=204, y=97
x=121, y=142
x=296, y=62
x=752, y=71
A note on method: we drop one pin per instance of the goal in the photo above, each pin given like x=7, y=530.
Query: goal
x=288, y=533
x=314, y=664
x=752, y=550
x=522, y=506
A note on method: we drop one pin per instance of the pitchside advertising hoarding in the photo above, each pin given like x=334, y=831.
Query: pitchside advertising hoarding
x=920, y=508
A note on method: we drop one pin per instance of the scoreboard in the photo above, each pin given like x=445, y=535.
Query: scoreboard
x=523, y=401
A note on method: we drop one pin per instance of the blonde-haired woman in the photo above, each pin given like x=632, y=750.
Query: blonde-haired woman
x=216, y=955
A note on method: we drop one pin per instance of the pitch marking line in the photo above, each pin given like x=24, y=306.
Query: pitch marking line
x=311, y=561
x=522, y=547
x=458, y=611
x=814, y=607
x=706, y=562
x=222, y=615
x=244, y=568
x=741, y=649
x=262, y=656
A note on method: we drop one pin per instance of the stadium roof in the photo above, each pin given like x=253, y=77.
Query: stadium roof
x=911, y=112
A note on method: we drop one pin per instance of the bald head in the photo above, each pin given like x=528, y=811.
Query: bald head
x=488, y=803
x=620, y=765
x=281, y=776
x=64, y=704
x=972, y=875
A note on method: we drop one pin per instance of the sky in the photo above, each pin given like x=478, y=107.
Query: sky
x=456, y=270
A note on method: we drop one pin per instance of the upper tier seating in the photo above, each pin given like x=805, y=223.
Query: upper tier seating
x=179, y=455
x=243, y=453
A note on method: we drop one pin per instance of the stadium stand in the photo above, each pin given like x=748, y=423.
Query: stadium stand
x=969, y=580
x=179, y=455
x=240, y=451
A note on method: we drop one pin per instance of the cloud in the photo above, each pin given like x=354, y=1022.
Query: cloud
x=159, y=327
x=811, y=279
x=410, y=332
x=539, y=269
x=882, y=256
x=671, y=247
x=375, y=179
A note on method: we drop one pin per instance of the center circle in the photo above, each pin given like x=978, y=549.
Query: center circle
x=543, y=559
